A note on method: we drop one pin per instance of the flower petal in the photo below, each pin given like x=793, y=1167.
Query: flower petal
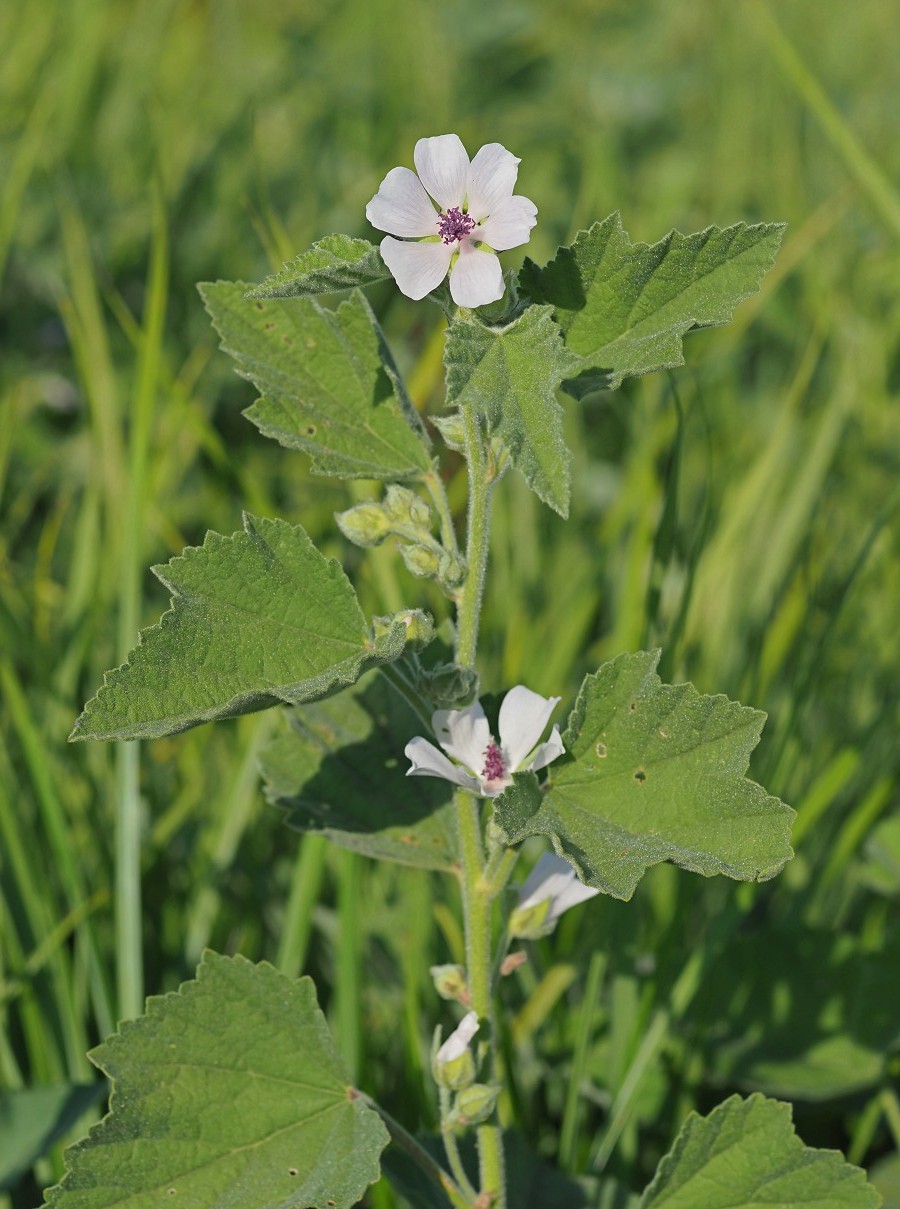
x=401, y=206
x=463, y=734
x=442, y=165
x=427, y=761
x=418, y=268
x=547, y=752
x=491, y=178
x=550, y=876
x=523, y=716
x=458, y=1041
x=509, y=225
x=476, y=278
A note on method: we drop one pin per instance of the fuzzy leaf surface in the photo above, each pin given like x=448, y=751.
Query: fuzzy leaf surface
x=257, y=619
x=652, y=772
x=624, y=307
x=227, y=1094
x=509, y=376
x=340, y=770
x=327, y=382
x=332, y=264
x=746, y=1153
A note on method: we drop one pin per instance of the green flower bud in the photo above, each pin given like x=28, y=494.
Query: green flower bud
x=423, y=561
x=364, y=525
x=451, y=570
x=453, y=1065
x=420, y=628
x=475, y=1104
x=449, y=686
x=529, y=923
x=452, y=430
x=404, y=507
x=450, y=982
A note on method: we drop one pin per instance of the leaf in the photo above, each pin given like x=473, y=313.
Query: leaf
x=229, y=1091
x=652, y=772
x=340, y=770
x=32, y=1119
x=509, y=376
x=820, y=1024
x=327, y=381
x=624, y=307
x=333, y=264
x=746, y=1153
x=257, y=619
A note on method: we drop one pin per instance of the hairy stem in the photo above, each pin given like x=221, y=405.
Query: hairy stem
x=403, y=1138
x=482, y=475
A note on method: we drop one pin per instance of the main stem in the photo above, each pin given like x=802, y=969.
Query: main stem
x=476, y=890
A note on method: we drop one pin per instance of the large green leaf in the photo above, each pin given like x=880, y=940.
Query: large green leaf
x=624, y=307
x=820, y=1024
x=746, y=1153
x=652, y=772
x=340, y=770
x=257, y=619
x=327, y=382
x=509, y=376
x=335, y=263
x=227, y=1093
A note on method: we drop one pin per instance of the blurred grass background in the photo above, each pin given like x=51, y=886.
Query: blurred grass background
x=741, y=513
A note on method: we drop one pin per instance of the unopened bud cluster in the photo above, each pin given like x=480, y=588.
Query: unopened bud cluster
x=403, y=515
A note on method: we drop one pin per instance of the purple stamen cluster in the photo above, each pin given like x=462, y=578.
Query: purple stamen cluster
x=494, y=768
x=454, y=225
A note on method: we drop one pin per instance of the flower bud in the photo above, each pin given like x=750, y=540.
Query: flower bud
x=529, y=923
x=364, y=525
x=423, y=561
x=450, y=982
x=452, y=430
x=453, y=1065
x=475, y=1104
x=404, y=507
x=451, y=570
x=448, y=685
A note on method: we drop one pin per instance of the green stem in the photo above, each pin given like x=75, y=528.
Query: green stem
x=452, y=1148
x=482, y=475
x=436, y=490
x=477, y=901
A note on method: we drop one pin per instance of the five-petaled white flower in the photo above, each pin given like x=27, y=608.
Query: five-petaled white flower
x=483, y=765
x=552, y=888
x=477, y=216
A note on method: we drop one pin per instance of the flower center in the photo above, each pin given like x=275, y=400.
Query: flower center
x=453, y=226
x=494, y=769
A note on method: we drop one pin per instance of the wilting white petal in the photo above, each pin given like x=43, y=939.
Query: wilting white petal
x=476, y=278
x=491, y=178
x=458, y=1041
x=401, y=205
x=555, y=879
x=509, y=225
x=442, y=165
x=427, y=761
x=548, y=752
x=418, y=268
x=463, y=734
x=523, y=716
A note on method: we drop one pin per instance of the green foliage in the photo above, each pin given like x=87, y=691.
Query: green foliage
x=229, y=1090
x=624, y=307
x=327, y=381
x=652, y=772
x=339, y=770
x=746, y=1153
x=332, y=264
x=32, y=1119
x=818, y=1026
x=257, y=619
x=509, y=375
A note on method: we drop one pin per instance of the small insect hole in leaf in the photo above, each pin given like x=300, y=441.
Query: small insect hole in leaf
x=170, y=1192
x=293, y=1171
x=601, y=751
x=633, y=706
x=269, y=325
x=663, y=732
x=310, y=430
x=286, y=339
x=260, y=306
x=640, y=776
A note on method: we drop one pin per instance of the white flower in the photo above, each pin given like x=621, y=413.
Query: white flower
x=477, y=215
x=453, y=1064
x=458, y=1041
x=552, y=888
x=483, y=765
